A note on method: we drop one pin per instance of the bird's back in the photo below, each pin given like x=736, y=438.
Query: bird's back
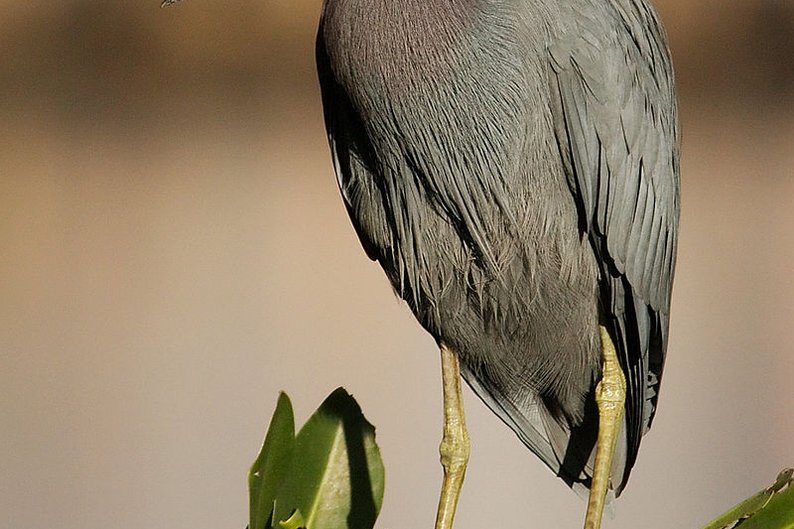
x=446, y=134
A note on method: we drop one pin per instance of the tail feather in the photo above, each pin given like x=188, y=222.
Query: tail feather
x=568, y=451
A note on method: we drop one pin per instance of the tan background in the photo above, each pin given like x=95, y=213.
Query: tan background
x=173, y=251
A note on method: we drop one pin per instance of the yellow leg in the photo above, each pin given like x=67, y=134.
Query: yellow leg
x=454, y=448
x=610, y=397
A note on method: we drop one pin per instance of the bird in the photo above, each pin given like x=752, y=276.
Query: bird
x=513, y=166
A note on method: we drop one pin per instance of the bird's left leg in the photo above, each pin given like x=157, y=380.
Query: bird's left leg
x=454, y=448
x=610, y=395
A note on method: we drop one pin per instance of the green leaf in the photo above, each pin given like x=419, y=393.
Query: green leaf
x=337, y=478
x=272, y=465
x=777, y=514
x=293, y=522
x=746, y=513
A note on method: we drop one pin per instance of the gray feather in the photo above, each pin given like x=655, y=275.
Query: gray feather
x=513, y=167
x=632, y=121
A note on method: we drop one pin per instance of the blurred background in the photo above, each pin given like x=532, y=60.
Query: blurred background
x=173, y=252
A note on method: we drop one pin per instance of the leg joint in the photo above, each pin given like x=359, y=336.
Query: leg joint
x=454, y=450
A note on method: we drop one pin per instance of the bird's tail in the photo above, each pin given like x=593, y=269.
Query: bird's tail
x=568, y=451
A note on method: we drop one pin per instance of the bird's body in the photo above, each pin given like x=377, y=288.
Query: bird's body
x=512, y=165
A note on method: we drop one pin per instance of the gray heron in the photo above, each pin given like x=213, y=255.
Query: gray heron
x=513, y=165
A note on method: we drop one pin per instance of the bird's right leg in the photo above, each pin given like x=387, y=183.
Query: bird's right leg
x=610, y=396
x=454, y=448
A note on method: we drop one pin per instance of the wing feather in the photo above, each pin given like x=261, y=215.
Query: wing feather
x=616, y=123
